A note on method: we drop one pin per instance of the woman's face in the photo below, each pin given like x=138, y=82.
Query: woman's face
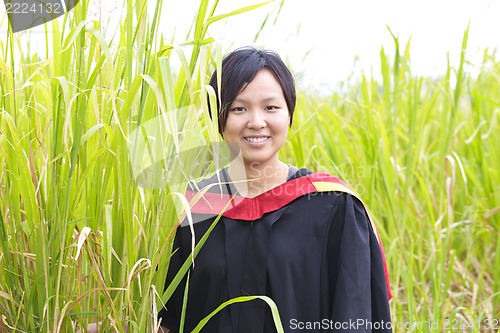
x=257, y=121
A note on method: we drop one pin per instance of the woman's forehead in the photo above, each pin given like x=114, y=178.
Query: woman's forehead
x=265, y=83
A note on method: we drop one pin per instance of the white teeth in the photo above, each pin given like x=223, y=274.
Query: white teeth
x=262, y=139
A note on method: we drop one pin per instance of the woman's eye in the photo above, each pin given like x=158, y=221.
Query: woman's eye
x=271, y=107
x=239, y=108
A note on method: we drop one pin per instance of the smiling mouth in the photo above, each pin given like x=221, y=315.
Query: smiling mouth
x=257, y=140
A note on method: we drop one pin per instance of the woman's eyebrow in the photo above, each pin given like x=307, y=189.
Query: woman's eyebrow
x=267, y=99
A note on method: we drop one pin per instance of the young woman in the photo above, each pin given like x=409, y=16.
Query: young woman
x=301, y=238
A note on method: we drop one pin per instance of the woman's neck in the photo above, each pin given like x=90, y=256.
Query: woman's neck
x=256, y=178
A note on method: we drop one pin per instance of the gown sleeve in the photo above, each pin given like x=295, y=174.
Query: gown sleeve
x=170, y=313
x=358, y=288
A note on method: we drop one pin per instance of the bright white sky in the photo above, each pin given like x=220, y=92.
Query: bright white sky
x=320, y=39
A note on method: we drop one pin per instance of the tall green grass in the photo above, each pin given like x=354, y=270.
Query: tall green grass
x=84, y=237
x=90, y=135
x=424, y=154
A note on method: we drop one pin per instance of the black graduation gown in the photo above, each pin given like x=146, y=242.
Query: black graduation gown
x=318, y=257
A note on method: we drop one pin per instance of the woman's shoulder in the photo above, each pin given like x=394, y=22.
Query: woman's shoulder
x=319, y=182
x=328, y=192
x=220, y=177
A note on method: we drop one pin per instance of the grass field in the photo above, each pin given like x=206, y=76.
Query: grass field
x=422, y=153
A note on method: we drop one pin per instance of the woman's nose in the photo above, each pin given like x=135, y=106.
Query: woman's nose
x=257, y=120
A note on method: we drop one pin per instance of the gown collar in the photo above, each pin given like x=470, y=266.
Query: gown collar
x=216, y=194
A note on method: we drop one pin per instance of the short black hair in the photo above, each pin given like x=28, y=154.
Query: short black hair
x=239, y=68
